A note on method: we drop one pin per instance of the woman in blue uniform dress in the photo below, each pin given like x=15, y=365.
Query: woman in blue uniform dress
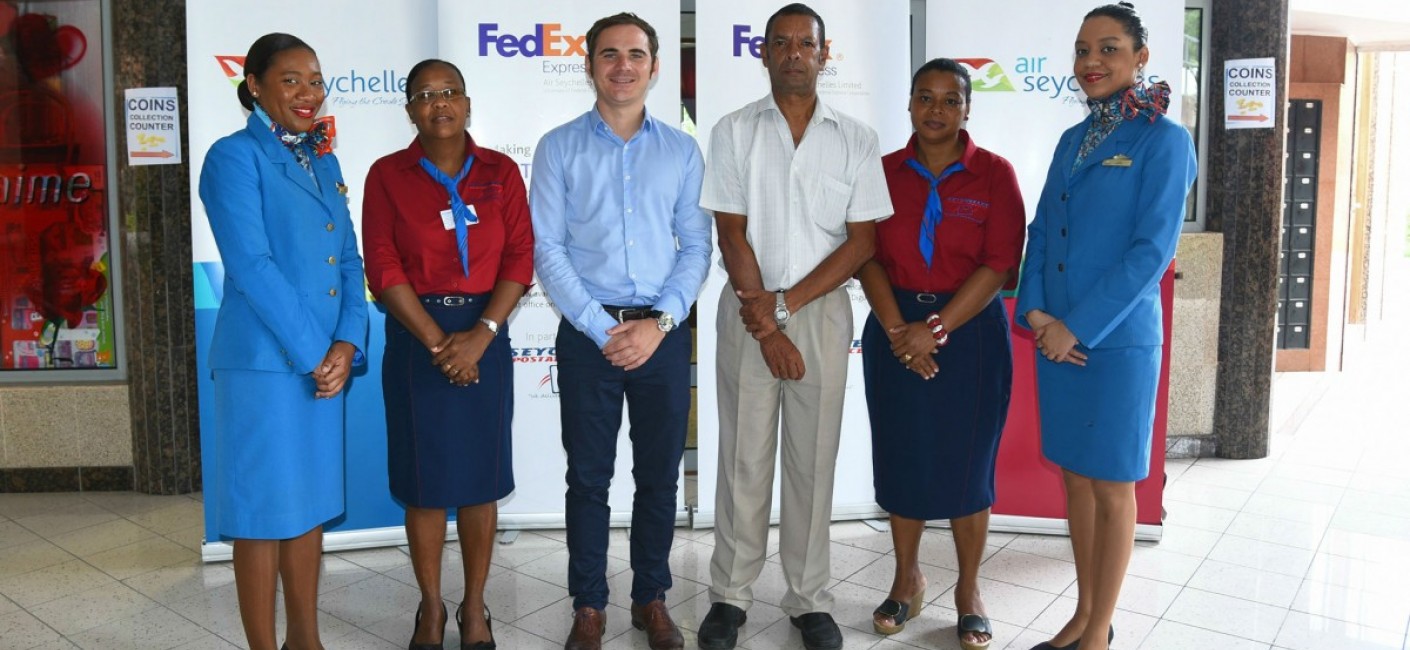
x=288, y=332
x=935, y=352
x=1106, y=229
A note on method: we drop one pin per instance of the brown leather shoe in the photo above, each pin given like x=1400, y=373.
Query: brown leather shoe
x=661, y=632
x=588, y=624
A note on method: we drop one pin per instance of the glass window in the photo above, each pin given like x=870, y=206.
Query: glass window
x=56, y=268
x=1192, y=106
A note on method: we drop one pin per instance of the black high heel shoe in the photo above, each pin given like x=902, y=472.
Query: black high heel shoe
x=413, y=645
x=460, y=625
x=1110, y=635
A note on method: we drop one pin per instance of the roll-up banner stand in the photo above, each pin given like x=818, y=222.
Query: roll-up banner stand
x=867, y=77
x=523, y=64
x=1024, y=96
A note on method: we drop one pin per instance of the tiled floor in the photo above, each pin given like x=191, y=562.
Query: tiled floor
x=1306, y=549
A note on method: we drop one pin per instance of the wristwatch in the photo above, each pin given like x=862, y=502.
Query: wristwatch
x=781, y=314
x=665, y=322
x=492, y=326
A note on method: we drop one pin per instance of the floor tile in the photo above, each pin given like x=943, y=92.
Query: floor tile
x=371, y=600
x=208, y=642
x=136, y=559
x=880, y=574
x=174, y=584
x=1170, y=635
x=89, y=609
x=1306, y=512
x=1186, y=539
x=56, y=522
x=513, y=595
x=1033, y=571
x=53, y=582
x=1162, y=565
x=1221, y=477
x=1303, y=631
x=13, y=534
x=1359, y=574
x=1263, y=556
x=1372, y=523
x=1278, y=531
x=19, y=506
x=22, y=630
x=782, y=634
x=102, y=537
x=1302, y=490
x=1206, y=495
x=1198, y=516
x=1386, y=611
x=1141, y=595
x=1008, y=603
x=1226, y=614
x=1249, y=584
x=31, y=555
x=155, y=628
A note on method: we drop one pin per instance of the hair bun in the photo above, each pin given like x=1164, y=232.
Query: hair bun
x=1127, y=5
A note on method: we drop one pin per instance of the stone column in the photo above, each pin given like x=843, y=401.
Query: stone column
x=1244, y=174
x=149, y=49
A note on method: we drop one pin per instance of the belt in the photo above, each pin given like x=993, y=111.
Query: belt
x=923, y=297
x=624, y=314
x=455, y=300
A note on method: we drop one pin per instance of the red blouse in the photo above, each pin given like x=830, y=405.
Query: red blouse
x=405, y=240
x=983, y=221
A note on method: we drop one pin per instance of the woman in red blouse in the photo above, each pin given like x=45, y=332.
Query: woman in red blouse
x=936, y=348
x=449, y=252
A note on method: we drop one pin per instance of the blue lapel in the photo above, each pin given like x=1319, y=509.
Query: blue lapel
x=1120, y=141
x=279, y=155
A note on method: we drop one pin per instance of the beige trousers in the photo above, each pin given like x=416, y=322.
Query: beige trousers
x=749, y=403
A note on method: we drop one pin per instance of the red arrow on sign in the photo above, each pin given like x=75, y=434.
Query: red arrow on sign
x=152, y=154
x=1249, y=118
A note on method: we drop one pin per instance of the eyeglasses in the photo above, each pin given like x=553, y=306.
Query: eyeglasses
x=430, y=96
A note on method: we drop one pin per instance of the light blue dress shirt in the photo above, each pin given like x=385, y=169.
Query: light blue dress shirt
x=618, y=223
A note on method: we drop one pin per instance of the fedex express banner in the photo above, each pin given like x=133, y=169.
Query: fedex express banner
x=868, y=77
x=1025, y=94
x=524, y=71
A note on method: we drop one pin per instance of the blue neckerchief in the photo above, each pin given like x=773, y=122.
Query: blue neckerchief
x=460, y=212
x=933, y=214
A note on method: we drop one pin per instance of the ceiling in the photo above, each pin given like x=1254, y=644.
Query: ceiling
x=1370, y=24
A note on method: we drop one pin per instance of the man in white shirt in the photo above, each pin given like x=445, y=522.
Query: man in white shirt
x=796, y=188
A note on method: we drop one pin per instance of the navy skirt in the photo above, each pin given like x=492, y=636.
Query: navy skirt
x=448, y=446
x=934, y=442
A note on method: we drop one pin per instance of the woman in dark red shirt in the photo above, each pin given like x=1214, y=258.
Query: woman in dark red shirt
x=936, y=348
x=449, y=252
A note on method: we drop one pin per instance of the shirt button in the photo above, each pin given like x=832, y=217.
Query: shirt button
x=627, y=177
x=633, y=276
x=332, y=260
x=631, y=242
x=1064, y=196
x=1064, y=232
x=1060, y=267
x=629, y=210
x=329, y=227
x=332, y=292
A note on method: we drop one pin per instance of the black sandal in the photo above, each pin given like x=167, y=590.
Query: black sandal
x=898, y=612
x=974, y=624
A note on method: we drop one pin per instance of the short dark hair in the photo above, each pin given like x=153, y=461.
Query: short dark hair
x=943, y=65
x=624, y=18
x=1124, y=13
x=261, y=56
x=421, y=67
x=797, y=9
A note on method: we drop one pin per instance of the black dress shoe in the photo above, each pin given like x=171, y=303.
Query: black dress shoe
x=819, y=631
x=720, y=629
x=460, y=625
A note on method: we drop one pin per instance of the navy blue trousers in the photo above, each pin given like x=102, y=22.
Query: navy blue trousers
x=591, y=394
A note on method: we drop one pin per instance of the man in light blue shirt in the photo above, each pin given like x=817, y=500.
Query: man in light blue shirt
x=622, y=247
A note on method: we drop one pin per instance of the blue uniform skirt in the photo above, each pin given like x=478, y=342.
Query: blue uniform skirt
x=1097, y=419
x=278, y=455
x=934, y=442
x=448, y=446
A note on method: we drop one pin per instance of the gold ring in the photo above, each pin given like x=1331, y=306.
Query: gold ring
x=906, y=359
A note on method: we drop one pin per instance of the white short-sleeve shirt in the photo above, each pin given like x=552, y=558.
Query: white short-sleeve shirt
x=798, y=201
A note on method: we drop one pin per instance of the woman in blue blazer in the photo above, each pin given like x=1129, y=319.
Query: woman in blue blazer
x=288, y=333
x=1105, y=231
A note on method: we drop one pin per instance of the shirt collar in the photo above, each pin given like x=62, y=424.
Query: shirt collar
x=968, y=158
x=599, y=125
x=411, y=156
x=821, y=111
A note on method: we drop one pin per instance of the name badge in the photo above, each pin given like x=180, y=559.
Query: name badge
x=1119, y=160
x=448, y=218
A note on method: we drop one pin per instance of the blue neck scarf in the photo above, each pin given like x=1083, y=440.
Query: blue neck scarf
x=933, y=214
x=305, y=146
x=460, y=212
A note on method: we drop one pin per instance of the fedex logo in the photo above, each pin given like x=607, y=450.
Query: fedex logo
x=546, y=40
x=742, y=38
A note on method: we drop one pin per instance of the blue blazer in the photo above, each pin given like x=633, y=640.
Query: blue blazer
x=1104, y=234
x=293, y=276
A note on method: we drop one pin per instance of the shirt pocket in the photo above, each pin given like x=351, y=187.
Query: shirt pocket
x=829, y=203
x=962, y=210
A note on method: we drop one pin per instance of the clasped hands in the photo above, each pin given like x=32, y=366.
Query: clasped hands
x=458, y=354
x=1053, y=340
x=756, y=309
x=330, y=375
x=632, y=343
x=915, y=347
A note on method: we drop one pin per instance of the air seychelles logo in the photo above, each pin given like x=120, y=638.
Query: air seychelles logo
x=350, y=88
x=986, y=76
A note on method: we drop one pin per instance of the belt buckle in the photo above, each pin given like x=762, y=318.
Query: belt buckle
x=453, y=301
x=927, y=298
